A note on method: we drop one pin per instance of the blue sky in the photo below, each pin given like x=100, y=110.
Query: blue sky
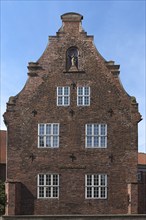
x=119, y=34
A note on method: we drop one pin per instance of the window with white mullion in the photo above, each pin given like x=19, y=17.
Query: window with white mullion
x=63, y=96
x=47, y=188
x=103, y=186
x=48, y=135
x=41, y=129
x=102, y=135
x=92, y=186
x=83, y=96
x=96, y=188
x=96, y=135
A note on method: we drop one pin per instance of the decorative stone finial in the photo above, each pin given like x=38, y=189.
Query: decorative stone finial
x=71, y=16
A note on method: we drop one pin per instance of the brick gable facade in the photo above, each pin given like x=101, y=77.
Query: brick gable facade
x=36, y=104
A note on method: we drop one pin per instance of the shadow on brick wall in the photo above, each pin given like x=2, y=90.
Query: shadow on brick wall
x=27, y=201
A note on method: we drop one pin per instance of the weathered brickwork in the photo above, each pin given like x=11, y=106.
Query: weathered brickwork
x=37, y=103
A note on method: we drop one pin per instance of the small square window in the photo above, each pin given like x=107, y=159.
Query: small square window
x=63, y=96
x=83, y=96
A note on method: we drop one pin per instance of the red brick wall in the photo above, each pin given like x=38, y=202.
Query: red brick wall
x=39, y=93
x=142, y=193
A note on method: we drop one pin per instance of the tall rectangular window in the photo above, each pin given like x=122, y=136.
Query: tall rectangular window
x=96, y=186
x=63, y=96
x=48, y=135
x=48, y=186
x=83, y=96
x=96, y=136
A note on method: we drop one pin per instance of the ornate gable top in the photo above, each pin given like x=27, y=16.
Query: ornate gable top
x=71, y=23
x=71, y=16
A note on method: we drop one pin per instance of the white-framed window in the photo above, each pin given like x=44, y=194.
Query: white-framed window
x=96, y=186
x=96, y=135
x=63, y=96
x=48, y=135
x=83, y=96
x=48, y=186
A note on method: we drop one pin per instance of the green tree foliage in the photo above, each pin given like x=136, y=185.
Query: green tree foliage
x=2, y=198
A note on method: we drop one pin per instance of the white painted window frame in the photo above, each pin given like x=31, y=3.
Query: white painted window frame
x=63, y=96
x=46, y=135
x=93, y=136
x=45, y=186
x=99, y=186
x=83, y=95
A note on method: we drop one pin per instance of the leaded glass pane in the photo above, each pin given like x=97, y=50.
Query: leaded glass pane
x=89, y=141
x=96, y=129
x=80, y=100
x=86, y=100
x=66, y=91
x=48, y=141
x=102, y=180
x=60, y=100
x=55, y=180
x=96, y=180
x=96, y=192
x=48, y=180
x=102, y=192
x=89, y=129
x=89, y=180
x=41, y=129
x=80, y=90
x=48, y=129
x=55, y=129
x=55, y=192
x=103, y=129
x=89, y=192
x=41, y=141
x=55, y=141
x=102, y=141
x=96, y=141
x=86, y=90
x=48, y=192
x=66, y=100
x=41, y=180
x=60, y=91
x=41, y=192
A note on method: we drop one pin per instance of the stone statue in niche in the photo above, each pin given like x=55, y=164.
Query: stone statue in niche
x=72, y=58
